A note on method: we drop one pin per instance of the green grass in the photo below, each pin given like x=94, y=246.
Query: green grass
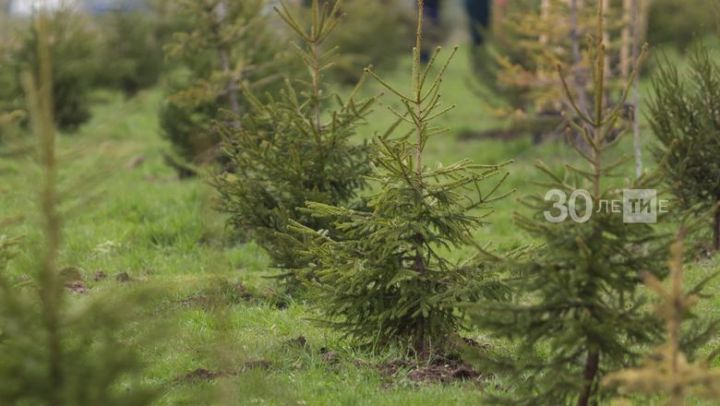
x=167, y=236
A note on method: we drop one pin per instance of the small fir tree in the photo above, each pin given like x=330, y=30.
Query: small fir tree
x=577, y=313
x=131, y=52
x=294, y=148
x=384, y=277
x=227, y=44
x=685, y=117
x=51, y=353
x=668, y=371
x=6, y=247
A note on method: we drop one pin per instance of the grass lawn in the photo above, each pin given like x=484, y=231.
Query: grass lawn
x=225, y=329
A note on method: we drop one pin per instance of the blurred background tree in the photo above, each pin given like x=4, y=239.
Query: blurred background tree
x=684, y=114
x=366, y=24
x=130, y=51
x=681, y=23
x=11, y=102
x=74, y=43
x=295, y=147
x=380, y=279
x=53, y=351
x=226, y=44
x=528, y=43
x=667, y=370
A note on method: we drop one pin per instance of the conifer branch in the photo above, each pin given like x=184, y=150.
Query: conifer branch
x=39, y=94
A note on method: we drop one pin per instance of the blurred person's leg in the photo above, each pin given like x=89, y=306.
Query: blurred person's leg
x=485, y=19
x=431, y=14
x=479, y=13
x=432, y=11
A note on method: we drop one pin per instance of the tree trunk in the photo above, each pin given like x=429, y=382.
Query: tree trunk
x=626, y=41
x=592, y=364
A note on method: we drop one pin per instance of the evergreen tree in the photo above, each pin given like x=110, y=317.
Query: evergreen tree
x=10, y=100
x=226, y=45
x=685, y=117
x=9, y=124
x=365, y=26
x=73, y=46
x=294, y=148
x=679, y=24
x=384, y=277
x=51, y=352
x=577, y=309
x=667, y=370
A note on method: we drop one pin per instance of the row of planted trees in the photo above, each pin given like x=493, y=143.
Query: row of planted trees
x=59, y=351
x=188, y=48
x=363, y=230
x=118, y=51
x=235, y=46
